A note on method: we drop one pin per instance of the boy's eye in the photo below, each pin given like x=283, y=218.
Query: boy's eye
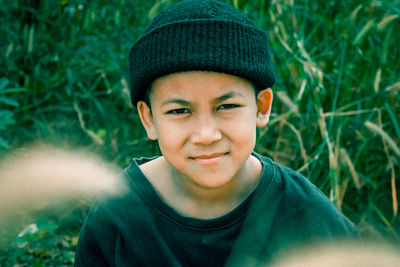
x=178, y=111
x=227, y=106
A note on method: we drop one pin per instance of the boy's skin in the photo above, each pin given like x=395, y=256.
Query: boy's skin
x=205, y=123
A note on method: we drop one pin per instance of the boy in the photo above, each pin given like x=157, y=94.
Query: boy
x=200, y=79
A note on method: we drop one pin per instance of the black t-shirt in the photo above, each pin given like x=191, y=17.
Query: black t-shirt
x=140, y=229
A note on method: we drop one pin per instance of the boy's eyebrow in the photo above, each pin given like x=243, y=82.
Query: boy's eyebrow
x=187, y=103
x=227, y=96
x=175, y=101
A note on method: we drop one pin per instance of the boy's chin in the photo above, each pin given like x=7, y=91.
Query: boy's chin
x=208, y=178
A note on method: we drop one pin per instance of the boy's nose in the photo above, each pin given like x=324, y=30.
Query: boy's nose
x=205, y=133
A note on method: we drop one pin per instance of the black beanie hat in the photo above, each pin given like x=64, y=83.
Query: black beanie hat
x=206, y=35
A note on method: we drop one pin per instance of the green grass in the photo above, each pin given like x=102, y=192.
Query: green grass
x=336, y=111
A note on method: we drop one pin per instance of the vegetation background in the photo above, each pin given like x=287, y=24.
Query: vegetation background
x=63, y=80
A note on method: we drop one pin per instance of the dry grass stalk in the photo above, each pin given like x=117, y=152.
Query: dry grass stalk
x=360, y=36
x=355, y=12
x=393, y=87
x=388, y=143
x=307, y=164
x=385, y=137
x=282, y=95
x=386, y=20
x=343, y=187
x=89, y=132
x=377, y=80
x=333, y=165
x=298, y=135
x=282, y=41
x=352, y=169
x=31, y=39
x=395, y=203
x=302, y=88
x=349, y=113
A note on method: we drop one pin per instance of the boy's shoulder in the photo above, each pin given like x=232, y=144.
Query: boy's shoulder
x=292, y=184
x=301, y=203
x=297, y=190
x=290, y=212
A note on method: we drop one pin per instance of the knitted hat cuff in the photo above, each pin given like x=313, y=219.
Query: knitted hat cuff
x=210, y=45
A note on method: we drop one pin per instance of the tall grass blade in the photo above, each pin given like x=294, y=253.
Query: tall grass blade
x=394, y=120
x=31, y=39
x=283, y=96
x=385, y=137
x=363, y=32
x=395, y=203
x=377, y=80
x=352, y=169
x=386, y=20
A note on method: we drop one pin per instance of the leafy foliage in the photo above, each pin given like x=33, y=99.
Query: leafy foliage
x=63, y=79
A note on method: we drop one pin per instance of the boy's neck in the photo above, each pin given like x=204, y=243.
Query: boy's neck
x=192, y=200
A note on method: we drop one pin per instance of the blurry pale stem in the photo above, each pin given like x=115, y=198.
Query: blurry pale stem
x=381, y=215
x=308, y=163
x=393, y=87
x=278, y=6
x=377, y=80
x=393, y=175
x=293, y=17
x=310, y=67
x=363, y=32
x=387, y=142
x=277, y=119
x=386, y=20
x=282, y=30
x=302, y=88
x=298, y=135
x=282, y=95
x=282, y=41
x=89, y=132
x=126, y=92
x=394, y=120
x=350, y=165
x=342, y=186
x=332, y=159
x=10, y=48
x=355, y=12
x=394, y=191
x=341, y=193
x=235, y=3
x=349, y=113
x=30, y=40
x=386, y=139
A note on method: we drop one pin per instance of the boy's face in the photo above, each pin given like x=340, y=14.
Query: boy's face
x=205, y=123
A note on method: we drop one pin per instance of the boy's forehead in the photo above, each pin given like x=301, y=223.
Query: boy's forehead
x=196, y=84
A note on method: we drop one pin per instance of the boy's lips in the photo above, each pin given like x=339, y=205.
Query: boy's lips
x=208, y=158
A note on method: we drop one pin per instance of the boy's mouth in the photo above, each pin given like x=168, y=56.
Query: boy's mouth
x=207, y=159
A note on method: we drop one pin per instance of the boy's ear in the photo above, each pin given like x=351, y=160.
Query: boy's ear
x=264, y=104
x=147, y=119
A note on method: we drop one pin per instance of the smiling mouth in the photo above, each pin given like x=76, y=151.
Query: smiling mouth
x=209, y=159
